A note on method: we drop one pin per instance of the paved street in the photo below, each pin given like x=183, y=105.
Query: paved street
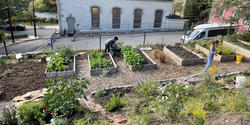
x=87, y=42
x=42, y=33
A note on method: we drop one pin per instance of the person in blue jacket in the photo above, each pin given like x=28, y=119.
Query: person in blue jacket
x=211, y=54
x=109, y=43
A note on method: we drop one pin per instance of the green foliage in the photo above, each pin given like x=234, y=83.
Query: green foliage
x=211, y=106
x=232, y=38
x=62, y=96
x=173, y=109
x=17, y=36
x=115, y=103
x=147, y=88
x=199, y=117
x=8, y=115
x=178, y=7
x=43, y=5
x=2, y=36
x=220, y=49
x=31, y=111
x=101, y=93
x=13, y=20
x=245, y=36
x=98, y=60
x=58, y=121
x=87, y=120
x=2, y=62
x=240, y=103
x=132, y=56
x=59, y=61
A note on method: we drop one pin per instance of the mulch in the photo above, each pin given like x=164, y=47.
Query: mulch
x=18, y=79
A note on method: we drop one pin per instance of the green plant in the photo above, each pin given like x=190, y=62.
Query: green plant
x=9, y=115
x=199, y=117
x=211, y=105
x=101, y=93
x=97, y=60
x=173, y=109
x=57, y=63
x=31, y=111
x=220, y=49
x=62, y=96
x=147, y=88
x=115, y=103
x=245, y=36
x=87, y=120
x=2, y=62
x=132, y=56
x=58, y=121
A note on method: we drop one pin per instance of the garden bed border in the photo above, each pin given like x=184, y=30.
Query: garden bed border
x=220, y=58
x=183, y=62
x=149, y=66
x=238, y=49
x=65, y=74
x=97, y=72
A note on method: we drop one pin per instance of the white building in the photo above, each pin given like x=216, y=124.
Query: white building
x=113, y=15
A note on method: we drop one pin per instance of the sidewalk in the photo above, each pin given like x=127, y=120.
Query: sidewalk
x=43, y=27
x=17, y=41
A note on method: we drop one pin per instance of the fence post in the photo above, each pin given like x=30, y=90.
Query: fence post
x=5, y=48
x=144, y=39
x=100, y=43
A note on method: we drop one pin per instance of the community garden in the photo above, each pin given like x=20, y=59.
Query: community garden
x=164, y=85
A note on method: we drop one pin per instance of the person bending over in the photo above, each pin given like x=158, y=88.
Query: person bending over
x=109, y=43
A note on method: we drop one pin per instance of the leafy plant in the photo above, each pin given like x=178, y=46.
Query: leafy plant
x=220, y=49
x=58, y=121
x=9, y=115
x=132, y=56
x=211, y=105
x=2, y=62
x=147, y=88
x=87, y=120
x=100, y=93
x=97, y=60
x=62, y=95
x=31, y=111
x=115, y=103
x=245, y=36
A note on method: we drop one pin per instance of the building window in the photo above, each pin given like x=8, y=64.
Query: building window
x=95, y=17
x=158, y=18
x=116, y=17
x=137, y=18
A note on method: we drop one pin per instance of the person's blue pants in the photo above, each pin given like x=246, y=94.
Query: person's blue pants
x=209, y=62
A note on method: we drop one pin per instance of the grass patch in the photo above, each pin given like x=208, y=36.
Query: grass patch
x=39, y=24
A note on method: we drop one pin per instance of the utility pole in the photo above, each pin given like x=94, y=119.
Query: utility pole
x=11, y=28
x=34, y=18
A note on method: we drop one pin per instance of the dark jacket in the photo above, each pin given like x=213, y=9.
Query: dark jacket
x=110, y=42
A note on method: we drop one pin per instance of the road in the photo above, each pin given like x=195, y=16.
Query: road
x=87, y=42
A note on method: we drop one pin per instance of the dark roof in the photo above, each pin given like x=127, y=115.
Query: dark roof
x=170, y=16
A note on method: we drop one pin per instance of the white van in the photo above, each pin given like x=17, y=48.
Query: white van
x=207, y=32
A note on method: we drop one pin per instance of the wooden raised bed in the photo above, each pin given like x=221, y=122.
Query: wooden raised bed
x=99, y=71
x=237, y=49
x=182, y=56
x=220, y=58
x=149, y=66
x=65, y=74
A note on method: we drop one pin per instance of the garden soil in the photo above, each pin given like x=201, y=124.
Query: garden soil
x=181, y=52
x=18, y=79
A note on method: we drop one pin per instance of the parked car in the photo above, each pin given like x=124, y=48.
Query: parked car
x=18, y=27
x=207, y=32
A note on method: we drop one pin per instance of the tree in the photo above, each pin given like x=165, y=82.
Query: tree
x=178, y=7
x=198, y=9
x=240, y=9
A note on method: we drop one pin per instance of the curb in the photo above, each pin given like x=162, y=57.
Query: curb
x=1, y=46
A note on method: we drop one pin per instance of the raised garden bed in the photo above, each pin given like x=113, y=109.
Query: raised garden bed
x=100, y=71
x=220, y=58
x=148, y=65
x=182, y=56
x=239, y=47
x=65, y=74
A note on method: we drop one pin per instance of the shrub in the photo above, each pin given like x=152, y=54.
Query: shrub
x=97, y=60
x=115, y=103
x=9, y=115
x=31, y=111
x=147, y=88
x=62, y=96
x=17, y=36
x=132, y=56
x=245, y=36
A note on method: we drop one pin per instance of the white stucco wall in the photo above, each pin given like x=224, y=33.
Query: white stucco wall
x=175, y=24
x=81, y=10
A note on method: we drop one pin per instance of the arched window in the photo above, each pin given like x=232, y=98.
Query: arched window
x=116, y=17
x=158, y=18
x=137, y=18
x=95, y=17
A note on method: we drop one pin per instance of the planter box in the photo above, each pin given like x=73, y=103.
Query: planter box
x=65, y=74
x=98, y=72
x=238, y=49
x=183, y=62
x=220, y=58
x=151, y=65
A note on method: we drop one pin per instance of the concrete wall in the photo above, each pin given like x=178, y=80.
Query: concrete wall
x=81, y=10
x=175, y=24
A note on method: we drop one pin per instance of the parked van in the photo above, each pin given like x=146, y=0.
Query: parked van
x=207, y=32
